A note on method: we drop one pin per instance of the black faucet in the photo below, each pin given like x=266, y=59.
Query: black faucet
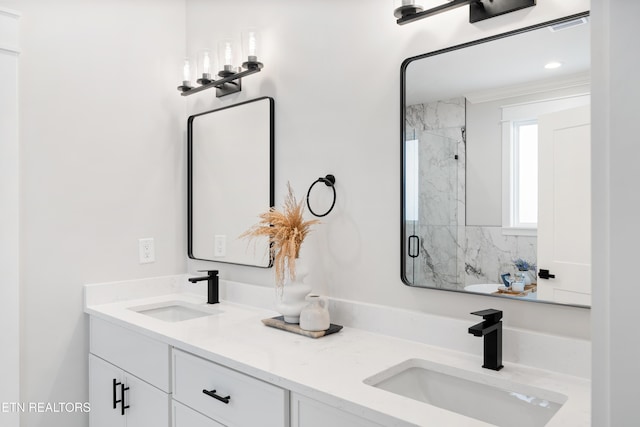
x=491, y=330
x=212, y=281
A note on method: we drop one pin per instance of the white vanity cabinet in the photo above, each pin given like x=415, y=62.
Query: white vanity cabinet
x=119, y=399
x=307, y=412
x=128, y=378
x=137, y=381
x=224, y=395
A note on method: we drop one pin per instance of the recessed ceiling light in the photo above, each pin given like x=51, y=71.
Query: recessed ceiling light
x=552, y=65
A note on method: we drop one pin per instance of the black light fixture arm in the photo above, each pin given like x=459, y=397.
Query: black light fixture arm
x=478, y=9
x=220, y=84
x=410, y=17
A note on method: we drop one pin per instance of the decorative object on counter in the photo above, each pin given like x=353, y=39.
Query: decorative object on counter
x=518, y=285
x=329, y=180
x=408, y=11
x=279, y=323
x=506, y=279
x=315, y=315
x=286, y=231
x=527, y=270
x=291, y=299
x=230, y=74
x=511, y=292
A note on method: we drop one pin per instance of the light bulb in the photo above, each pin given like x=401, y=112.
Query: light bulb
x=186, y=72
x=252, y=44
x=226, y=55
x=206, y=63
x=250, y=39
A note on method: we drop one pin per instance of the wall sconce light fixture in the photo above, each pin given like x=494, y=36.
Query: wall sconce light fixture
x=407, y=11
x=228, y=80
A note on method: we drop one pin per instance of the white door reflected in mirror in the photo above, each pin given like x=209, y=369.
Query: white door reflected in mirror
x=564, y=235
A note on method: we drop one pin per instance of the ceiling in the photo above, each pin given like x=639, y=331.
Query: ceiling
x=510, y=61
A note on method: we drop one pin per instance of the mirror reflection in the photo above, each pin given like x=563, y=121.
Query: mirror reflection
x=496, y=166
x=230, y=181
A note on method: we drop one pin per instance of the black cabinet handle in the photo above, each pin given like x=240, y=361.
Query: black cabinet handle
x=121, y=400
x=544, y=274
x=213, y=394
x=115, y=384
x=122, y=404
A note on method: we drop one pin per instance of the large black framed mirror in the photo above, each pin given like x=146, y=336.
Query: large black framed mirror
x=495, y=165
x=230, y=181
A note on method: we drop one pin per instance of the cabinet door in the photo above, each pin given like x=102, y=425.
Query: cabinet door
x=147, y=405
x=101, y=394
x=307, y=412
x=184, y=416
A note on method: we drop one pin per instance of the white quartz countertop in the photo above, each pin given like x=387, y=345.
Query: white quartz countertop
x=331, y=369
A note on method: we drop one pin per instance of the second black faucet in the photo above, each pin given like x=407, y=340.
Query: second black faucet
x=491, y=330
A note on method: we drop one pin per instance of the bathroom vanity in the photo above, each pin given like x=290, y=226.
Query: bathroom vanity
x=163, y=357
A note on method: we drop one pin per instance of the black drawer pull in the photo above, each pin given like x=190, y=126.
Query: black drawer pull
x=213, y=394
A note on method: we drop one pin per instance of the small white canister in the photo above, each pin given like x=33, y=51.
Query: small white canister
x=315, y=316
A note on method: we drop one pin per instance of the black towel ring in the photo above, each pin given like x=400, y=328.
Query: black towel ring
x=329, y=181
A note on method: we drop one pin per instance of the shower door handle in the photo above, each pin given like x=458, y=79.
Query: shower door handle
x=414, y=246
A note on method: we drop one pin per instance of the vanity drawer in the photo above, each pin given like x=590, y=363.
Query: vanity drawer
x=184, y=416
x=251, y=402
x=135, y=353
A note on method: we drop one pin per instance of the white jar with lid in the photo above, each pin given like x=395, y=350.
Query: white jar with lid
x=315, y=316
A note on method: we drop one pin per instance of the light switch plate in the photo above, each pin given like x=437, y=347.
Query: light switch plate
x=220, y=245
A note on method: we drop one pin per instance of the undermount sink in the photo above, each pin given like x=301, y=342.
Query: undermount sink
x=484, y=397
x=174, y=311
x=483, y=288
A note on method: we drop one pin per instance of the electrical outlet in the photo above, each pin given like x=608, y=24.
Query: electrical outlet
x=220, y=245
x=146, y=250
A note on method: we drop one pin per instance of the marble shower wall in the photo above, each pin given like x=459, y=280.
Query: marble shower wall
x=439, y=128
x=488, y=254
x=451, y=254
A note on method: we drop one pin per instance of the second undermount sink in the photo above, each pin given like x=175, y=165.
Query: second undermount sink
x=175, y=311
x=484, y=397
x=483, y=288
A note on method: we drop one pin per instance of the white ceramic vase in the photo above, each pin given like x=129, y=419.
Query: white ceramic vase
x=526, y=277
x=290, y=300
x=315, y=316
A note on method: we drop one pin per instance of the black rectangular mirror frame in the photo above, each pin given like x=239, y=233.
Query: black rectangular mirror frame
x=190, y=174
x=403, y=88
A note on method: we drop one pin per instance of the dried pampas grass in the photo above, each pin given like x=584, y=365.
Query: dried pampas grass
x=286, y=231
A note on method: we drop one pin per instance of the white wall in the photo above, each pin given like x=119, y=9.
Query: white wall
x=9, y=215
x=102, y=164
x=615, y=150
x=334, y=72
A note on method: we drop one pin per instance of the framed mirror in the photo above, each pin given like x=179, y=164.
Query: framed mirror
x=495, y=174
x=230, y=181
